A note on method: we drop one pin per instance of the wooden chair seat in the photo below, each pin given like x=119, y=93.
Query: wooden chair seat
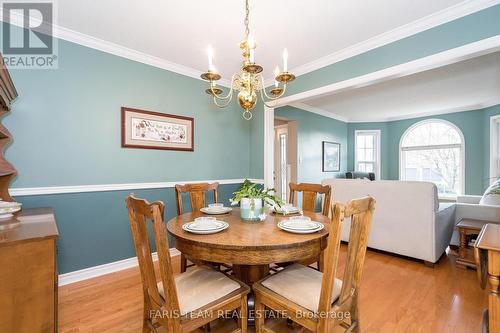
x=201, y=286
x=319, y=301
x=299, y=284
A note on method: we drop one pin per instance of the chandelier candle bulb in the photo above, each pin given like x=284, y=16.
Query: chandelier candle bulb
x=276, y=73
x=285, y=60
x=251, y=48
x=210, y=53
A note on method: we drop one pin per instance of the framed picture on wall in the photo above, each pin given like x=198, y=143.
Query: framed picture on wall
x=155, y=130
x=331, y=156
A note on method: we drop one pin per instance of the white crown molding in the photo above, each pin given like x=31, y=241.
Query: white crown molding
x=114, y=187
x=125, y=52
x=319, y=111
x=116, y=266
x=454, y=109
x=448, y=57
x=115, y=49
x=444, y=16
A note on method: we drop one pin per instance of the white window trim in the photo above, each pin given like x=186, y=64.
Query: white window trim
x=457, y=145
x=494, y=136
x=378, y=134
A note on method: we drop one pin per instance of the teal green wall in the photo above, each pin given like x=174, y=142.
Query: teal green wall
x=257, y=142
x=468, y=29
x=66, y=124
x=312, y=130
x=474, y=126
x=66, y=128
x=94, y=227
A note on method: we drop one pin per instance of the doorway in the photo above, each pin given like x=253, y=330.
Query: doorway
x=285, y=155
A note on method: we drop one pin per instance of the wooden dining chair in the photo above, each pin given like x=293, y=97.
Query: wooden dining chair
x=197, y=195
x=319, y=301
x=188, y=301
x=310, y=193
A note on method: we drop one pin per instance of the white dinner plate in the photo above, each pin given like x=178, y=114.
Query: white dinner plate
x=290, y=210
x=301, y=227
x=207, y=223
x=216, y=210
x=7, y=207
x=195, y=228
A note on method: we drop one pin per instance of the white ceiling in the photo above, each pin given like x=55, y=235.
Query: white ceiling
x=465, y=85
x=179, y=31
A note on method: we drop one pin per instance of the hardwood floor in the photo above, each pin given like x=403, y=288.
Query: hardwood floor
x=397, y=295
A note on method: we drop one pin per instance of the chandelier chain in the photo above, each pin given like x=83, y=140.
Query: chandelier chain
x=247, y=20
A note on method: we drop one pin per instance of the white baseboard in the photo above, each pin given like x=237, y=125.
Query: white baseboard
x=92, y=272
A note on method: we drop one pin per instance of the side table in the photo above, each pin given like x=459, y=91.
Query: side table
x=469, y=230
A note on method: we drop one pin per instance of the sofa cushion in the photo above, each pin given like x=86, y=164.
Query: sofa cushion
x=492, y=195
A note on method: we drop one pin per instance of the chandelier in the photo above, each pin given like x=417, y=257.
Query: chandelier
x=249, y=81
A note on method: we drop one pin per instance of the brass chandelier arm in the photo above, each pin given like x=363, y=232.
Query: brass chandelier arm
x=270, y=99
x=229, y=94
x=266, y=103
x=265, y=93
x=269, y=105
x=223, y=105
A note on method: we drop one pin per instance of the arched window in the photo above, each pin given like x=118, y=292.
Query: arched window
x=433, y=150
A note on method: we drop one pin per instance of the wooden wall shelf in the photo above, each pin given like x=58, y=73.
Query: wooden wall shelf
x=7, y=94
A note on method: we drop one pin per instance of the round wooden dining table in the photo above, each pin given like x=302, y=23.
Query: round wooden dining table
x=249, y=246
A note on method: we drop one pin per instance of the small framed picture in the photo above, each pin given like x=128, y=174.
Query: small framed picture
x=155, y=130
x=331, y=156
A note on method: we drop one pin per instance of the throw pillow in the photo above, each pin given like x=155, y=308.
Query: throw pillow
x=492, y=195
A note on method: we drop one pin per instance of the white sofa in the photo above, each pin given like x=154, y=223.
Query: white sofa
x=408, y=218
x=468, y=206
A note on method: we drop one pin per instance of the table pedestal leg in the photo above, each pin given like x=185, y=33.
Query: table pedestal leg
x=250, y=274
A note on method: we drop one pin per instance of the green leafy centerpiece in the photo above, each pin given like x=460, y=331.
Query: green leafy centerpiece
x=252, y=199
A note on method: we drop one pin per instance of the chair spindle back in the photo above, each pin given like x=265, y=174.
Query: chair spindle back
x=310, y=194
x=196, y=194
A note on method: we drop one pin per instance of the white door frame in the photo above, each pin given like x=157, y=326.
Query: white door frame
x=278, y=131
x=494, y=149
x=448, y=57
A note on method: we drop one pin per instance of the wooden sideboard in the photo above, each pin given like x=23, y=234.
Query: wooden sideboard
x=487, y=255
x=28, y=273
